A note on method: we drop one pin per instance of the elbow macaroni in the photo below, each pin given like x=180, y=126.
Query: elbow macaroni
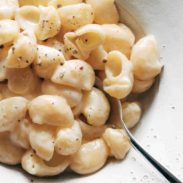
x=53, y=113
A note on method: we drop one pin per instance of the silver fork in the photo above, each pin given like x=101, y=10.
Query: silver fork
x=117, y=116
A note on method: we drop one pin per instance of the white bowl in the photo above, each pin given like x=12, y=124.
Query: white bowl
x=161, y=128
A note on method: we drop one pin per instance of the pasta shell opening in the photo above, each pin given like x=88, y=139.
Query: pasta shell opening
x=114, y=65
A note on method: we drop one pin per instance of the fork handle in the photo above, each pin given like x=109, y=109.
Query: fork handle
x=164, y=171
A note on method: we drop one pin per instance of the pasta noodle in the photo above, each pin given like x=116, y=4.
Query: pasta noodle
x=12, y=110
x=95, y=107
x=75, y=16
x=68, y=140
x=42, y=141
x=9, y=30
x=119, y=75
x=111, y=14
x=36, y=166
x=145, y=58
x=22, y=81
x=49, y=23
x=3, y=55
x=131, y=113
x=81, y=43
x=142, y=86
x=23, y=52
x=8, y=8
x=48, y=59
x=118, y=37
x=19, y=135
x=28, y=17
x=75, y=73
x=72, y=95
x=53, y=110
x=85, y=161
x=9, y=153
x=97, y=58
x=117, y=141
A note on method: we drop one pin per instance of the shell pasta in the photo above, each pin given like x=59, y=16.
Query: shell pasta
x=53, y=117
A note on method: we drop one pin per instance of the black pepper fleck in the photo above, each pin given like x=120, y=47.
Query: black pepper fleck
x=61, y=75
x=104, y=61
x=1, y=46
x=13, y=49
x=45, y=40
x=59, y=6
x=42, y=79
x=75, y=52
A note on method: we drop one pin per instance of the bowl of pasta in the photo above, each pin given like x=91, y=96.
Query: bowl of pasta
x=54, y=120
